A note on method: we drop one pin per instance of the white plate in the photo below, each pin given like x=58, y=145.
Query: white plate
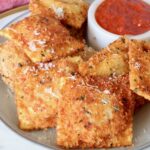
x=48, y=137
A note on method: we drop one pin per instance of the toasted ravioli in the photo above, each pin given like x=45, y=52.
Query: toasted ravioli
x=87, y=53
x=37, y=92
x=121, y=86
x=72, y=12
x=110, y=60
x=35, y=99
x=11, y=58
x=36, y=8
x=89, y=117
x=116, y=84
x=43, y=39
x=139, y=61
x=79, y=34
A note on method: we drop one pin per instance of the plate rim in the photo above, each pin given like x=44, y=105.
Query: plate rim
x=13, y=11
x=25, y=137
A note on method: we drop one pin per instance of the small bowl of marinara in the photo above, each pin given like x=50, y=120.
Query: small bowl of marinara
x=110, y=19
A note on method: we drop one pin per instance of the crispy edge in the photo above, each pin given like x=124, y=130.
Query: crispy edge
x=11, y=58
x=139, y=60
x=69, y=43
x=27, y=77
x=69, y=120
x=110, y=60
x=72, y=13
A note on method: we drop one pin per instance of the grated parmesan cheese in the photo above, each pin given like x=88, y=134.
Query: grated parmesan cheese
x=137, y=65
x=26, y=70
x=106, y=92
x=35, y=32
x=45, y=66
x=33, y=44
x=60, y=70
x=51, y=50
x=58, y=11
x=72, y=77
x=49, y=91
x=41, y=42
x=104, y=101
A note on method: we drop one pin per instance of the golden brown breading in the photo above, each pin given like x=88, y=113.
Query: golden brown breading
x=87, y=53
x=79, y=34
x=89, y=117
x=139, y=61
x=36, y=8
x=118, y=85
x=35, y=99
x=43, y=39
x=72, y=12
x=11, y=58
x=121, y=87
x=110, y=60
x=37, y=92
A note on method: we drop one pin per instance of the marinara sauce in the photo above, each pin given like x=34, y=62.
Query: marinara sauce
x=124, y=16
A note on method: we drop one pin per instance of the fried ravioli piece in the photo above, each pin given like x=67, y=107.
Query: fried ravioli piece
x=79, y=34
x=36, y=102
x=121, y=87
x=11, y=58
x=139, y=61
x=36, y=8
x=118, y=85
x=87, y=53
x=72, y=12
x=88, y=117
x=37, y=92
x=110, y=60
x=43, y=39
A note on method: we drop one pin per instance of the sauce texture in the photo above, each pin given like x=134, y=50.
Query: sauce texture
x=124, y=16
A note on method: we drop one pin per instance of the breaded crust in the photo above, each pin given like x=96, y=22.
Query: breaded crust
x=37, y=8
x=11, y=58
x=43, y=39
x=89, y=117
x=121, y=87
x=36, y=102
x=87, y=53
x=118, y=85
x=37, y=92
x=139, y=61
x=72, y=12
x=108, y=61
x=79, y=34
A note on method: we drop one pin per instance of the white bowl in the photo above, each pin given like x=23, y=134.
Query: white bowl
x=98, y=37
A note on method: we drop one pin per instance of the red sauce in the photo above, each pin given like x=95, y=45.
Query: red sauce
x=124, y=16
